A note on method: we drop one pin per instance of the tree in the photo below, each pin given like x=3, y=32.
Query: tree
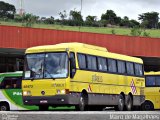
x=63, y=16
x=125, y=21
x=29, y=19
x=134, y=23
x=48, y=20
x=159, y=25
x=150, y=18
x=91, y=20
x=76, y=18
x=7, y=10
x=110, y=17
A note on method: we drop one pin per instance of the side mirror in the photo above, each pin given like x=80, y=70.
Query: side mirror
x=72, y=67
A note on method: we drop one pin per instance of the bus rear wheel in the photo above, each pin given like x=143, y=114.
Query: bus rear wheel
x=147, y=106
x=43, y=108
x=4, y=107
x=129, y=103
x=121, y=103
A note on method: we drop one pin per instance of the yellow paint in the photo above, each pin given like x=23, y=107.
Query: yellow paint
x=153, y=93
x=99, y=82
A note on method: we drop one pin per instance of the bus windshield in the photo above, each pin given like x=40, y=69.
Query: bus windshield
x=46, y=65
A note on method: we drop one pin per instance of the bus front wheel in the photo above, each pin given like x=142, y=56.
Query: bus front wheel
x=4, y=107
x=82, y=106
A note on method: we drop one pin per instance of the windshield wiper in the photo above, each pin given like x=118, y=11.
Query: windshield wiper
x=49, y=74
x=34, y=74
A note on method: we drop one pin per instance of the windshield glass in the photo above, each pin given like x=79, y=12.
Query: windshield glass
x=46, y=65
x=56, y=65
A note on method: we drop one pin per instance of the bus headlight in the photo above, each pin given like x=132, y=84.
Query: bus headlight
x=26, y=93
x=63, y=91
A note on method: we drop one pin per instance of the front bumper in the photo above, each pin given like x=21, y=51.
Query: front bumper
x=51, y=100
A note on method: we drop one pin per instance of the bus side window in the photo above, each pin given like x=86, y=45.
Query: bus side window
x=157, y=81
x=18, y=83
x=102, y=64
x=138, y=70
x=112, y=67
x=91, y=62
x=11, y=83
x=6, y=84
x=130, y=68
x=82, y=61
x=150, y=81
x=121, y=67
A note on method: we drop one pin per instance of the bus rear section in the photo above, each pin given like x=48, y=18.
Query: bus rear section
x=152, y=91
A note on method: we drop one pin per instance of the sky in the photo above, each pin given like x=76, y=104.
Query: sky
x=47, y=8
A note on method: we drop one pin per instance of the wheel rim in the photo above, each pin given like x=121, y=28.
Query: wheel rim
x=3, y=108
x=129, y=104
x=147, y=107
x=82, y=104
x=121, y=104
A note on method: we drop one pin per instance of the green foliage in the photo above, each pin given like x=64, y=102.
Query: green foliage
x=135, y=32
x=48, y=20
x=108, y=19
x=29, y=19
x=91, y=21
x=159, y=25
x=146, y=34
x=7, y=10
x=76, y=18
x=63, y=15
x=102, y=30
x=113, y=31
x=110, y=16
x=134, y=23
x=125, y=22
x=149, y=19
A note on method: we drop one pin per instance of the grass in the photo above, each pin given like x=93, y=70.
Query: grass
x=104, y=30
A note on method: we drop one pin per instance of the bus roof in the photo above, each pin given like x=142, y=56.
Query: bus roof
x=152, y=73
x=63, y=46
x=82, y=48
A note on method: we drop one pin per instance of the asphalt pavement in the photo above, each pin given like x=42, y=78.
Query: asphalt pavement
x=74, y=115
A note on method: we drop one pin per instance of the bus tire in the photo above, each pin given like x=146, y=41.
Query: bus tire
x=129, y=103
x=82, y=106
x=43, y=108
x=121, y=103
x=4, y=107
x=147, y=106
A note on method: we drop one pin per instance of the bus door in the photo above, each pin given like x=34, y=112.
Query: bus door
x=12, y=90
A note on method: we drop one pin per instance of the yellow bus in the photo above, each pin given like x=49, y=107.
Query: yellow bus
x=81, y=75
x=152, y=91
